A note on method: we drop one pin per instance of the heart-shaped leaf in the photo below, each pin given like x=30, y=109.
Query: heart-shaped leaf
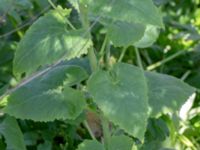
x=120, y=92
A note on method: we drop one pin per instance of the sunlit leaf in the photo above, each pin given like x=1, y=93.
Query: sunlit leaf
x=120, y=92
x=166, y=93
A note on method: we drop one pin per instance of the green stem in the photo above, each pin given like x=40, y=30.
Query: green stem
x=70, y=24
x=122, y=54
x=139, y=60
x=67, y=21
x=106, y=132
x=146, y=55
x=52, y=4
x=139, y=63
x=186, y=74
x=160, y=63
x=102, y=51
x=89, y=130
x=93, y=63
x=84, y=15
x=92, y=59
x=107, y=56
x=85, y=22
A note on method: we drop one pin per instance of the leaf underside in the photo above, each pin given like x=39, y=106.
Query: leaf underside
x=127, y=21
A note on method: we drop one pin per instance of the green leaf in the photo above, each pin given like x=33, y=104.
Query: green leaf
x=166, y=93
x=125, y=34
x=120, y=143
x=30, y=138
x=49, y=96
x=45, y=146
x=120, y=92
x=132, y=11
x=150, y=36
x=81, y=62
x=90, y=145
x=115, y=143
x=10, y=130
x=47, y=41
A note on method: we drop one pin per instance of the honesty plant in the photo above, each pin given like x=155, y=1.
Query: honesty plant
x=56, y=82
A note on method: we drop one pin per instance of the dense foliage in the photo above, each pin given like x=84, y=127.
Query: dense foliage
x=103, y=75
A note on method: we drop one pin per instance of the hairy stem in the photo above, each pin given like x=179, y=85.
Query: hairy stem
x=92, y=59
x=106, y=131
x=103, y=47
x=107, y=56
x=186, y=74
x=85, y=22
x=89, y=130
x=160, y=63
x=122, y=54
x=139, y=60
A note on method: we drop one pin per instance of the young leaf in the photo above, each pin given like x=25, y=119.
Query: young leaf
x=47, y=41
x=166, y=93
x=132, y=11
x=10, y=130
x=49, y=96
x=120, y=92
x=90, y=145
